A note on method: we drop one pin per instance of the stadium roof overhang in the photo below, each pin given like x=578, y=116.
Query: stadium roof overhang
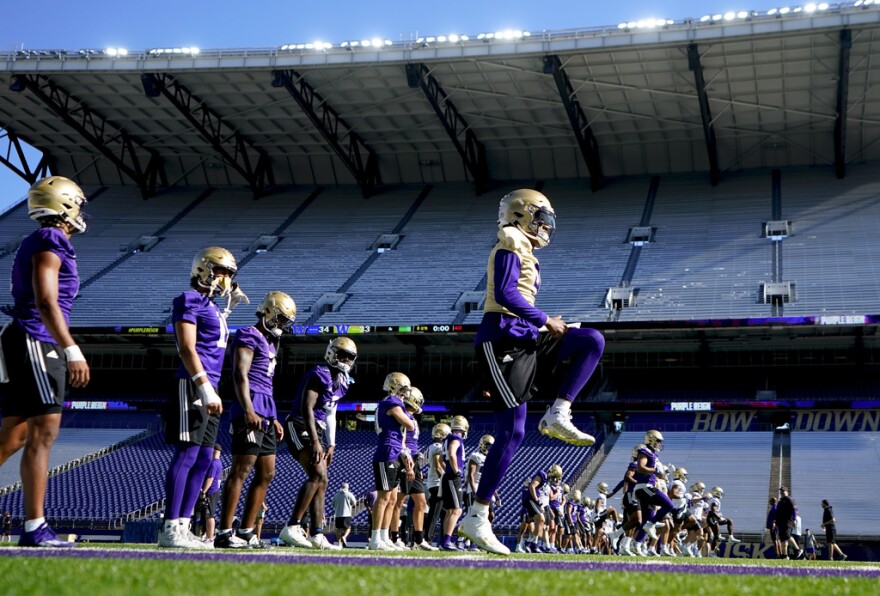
x=618, y=102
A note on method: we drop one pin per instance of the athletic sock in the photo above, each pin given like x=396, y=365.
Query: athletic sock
x=32, y=524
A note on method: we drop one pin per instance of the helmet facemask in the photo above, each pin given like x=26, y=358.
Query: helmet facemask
x=542, y=228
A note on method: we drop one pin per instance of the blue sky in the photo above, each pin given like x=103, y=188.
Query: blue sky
x=54, y=24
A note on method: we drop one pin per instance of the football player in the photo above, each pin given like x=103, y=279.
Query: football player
x=392, y=423
x=312, y=417
x=40, y=355
x=413, y=484
x=435, y=472
x=256, y=430
x=508, y=344
x=601, y=513
x=193, y=415
x=553, y=506
x=451, y=483
x=719, y=519
x=646, y=488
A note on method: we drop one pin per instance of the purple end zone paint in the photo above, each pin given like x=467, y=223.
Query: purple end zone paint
x=286, y=557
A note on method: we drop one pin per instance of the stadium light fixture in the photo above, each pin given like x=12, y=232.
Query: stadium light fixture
x=377, y=43
x=743, y=14
x=823, y=6
x=729, y=16
x=110, y=51
x=453, y=38
x=784, y=10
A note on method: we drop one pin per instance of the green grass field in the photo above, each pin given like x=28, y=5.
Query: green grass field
x=96, y=570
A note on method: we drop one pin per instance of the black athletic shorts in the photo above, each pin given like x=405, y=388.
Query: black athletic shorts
x=783, y=532
x=831, y=534
x=509, y=369
x=416, y=486
x=343, y=523
x=253, y=442
x=186, y=422
x=37, y=373
x=452, y=497
x=387, y=474
x=297, y=437
x=212, y=503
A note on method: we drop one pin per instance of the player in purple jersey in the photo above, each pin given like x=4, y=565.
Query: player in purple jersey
x=255, y=426
x=313, y=416
x=392, y=423
x=511, y=350
x=192, y=417
x=646, y=491
x=37, y=354
x=413, y=483
x=451, y=483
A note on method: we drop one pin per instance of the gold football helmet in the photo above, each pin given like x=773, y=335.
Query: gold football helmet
x=460, y=423
x=602, y=489
x=440, y=431
x=203, y=266
x=531, y=212
x=576, y=496
x=486, y=442
x=57, y=196
x=397, y=383
x=554, y=473
x=414, y=399
x=566, y=489
x=654, y=440
x=344, y=347
x=588, y=502
x=681, y=474
x=717, y=492
x=278, y=312
x=635, y=454
x=698, y=487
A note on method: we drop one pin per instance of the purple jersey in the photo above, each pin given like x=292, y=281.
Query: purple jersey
x=389, y=431
x=412, y=437
x=331, y=385
x=215, y=471
x=514, y=279
x=261, y=372
x=26, y=314
x=459, y=456
x=555, y=497
x=649, y=479
x=582, y=514
x=211, y=332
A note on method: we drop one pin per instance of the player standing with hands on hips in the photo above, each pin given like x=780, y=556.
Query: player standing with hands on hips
x=511, y=349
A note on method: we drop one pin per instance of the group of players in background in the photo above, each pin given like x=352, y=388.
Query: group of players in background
x=515, y=343
x=659, y=514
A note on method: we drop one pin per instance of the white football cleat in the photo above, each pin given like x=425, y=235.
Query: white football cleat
x=424, y=545
x=320, y=542
x=478, y=530
x=379, y=545
x=558, y=425
x=295, y=536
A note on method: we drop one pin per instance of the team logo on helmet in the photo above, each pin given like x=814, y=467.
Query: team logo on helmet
x=204, y=274
x=486, y=442
x=278, y=312
x=414, y=400
x=531, y=212
x=554, y=473
x=57, y=196
x=341, y=353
